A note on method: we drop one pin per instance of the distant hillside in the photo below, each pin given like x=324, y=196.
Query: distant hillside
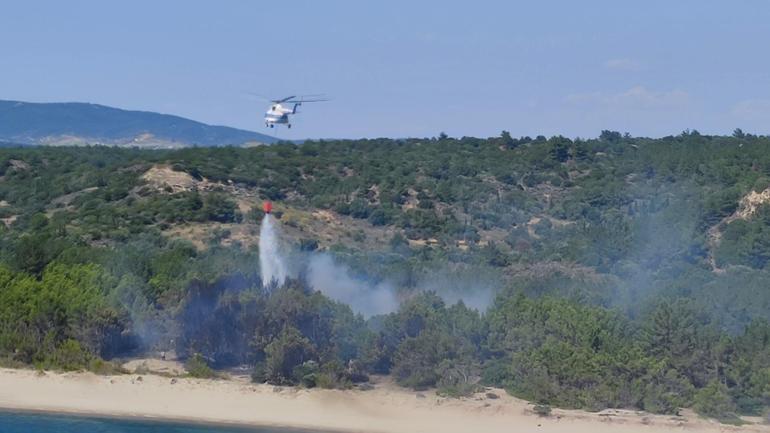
x=80, y=123
x=612, y=272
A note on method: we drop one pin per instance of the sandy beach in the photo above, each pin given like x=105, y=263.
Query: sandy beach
x=384, y=409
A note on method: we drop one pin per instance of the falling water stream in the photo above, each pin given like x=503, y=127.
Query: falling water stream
x=271, y=264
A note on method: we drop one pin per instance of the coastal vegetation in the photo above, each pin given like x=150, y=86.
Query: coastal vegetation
x=630, y=272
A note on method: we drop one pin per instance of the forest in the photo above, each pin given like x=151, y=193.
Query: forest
x=618, y=271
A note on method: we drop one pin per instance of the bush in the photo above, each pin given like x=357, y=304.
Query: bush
x=714, y=401
x=100, y=366
x=494, y=372
x=542, y=410
x=9, y=362
x=329, y=380
x=198, y=367
x=290, y=350
x=259, y=375
x=70, y=356
x=414, y=364
x=666, y=393
x=307, y=373
x=332, y=375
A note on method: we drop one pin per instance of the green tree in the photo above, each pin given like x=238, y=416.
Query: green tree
x=288, y=351
x=714, y=401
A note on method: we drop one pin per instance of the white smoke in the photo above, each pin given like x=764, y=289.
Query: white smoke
x=474, y=286
x=272, y=265
x=334, y=281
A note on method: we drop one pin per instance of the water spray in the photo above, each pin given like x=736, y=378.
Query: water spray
x=271, y=263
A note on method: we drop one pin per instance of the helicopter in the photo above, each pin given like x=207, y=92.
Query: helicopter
x=278, y=113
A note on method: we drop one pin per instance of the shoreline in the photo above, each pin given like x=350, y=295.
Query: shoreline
x=247, y=427
x=385, y=409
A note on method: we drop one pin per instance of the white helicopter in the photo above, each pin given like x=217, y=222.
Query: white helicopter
x=278, y=114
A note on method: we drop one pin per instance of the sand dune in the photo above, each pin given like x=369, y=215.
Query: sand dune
x=386, y=408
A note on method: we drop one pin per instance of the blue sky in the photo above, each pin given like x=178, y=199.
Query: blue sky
x=404, y=68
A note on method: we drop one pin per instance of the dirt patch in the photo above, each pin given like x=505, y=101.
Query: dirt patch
x=201, y=235
x=326, y=216
x=373, y=194
x=750, y=204
x=155, y=366
x=331, y=228
x=535, y=220
x=325, y=227
x=197, y=234
x=411, y=201
x=9, y=220
x=531, y=227
x=18, y=164
x=164, y=178
x=430, y=242
x=496, y=235
x=245, y=205
x=747, y=208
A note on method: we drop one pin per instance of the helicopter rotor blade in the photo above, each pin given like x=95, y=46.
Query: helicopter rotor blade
x=317, y=97
x=258, y=96
x=310, y=98
x=313, y=95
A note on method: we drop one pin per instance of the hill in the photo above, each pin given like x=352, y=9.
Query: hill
x=603, y=273
x=81, y=123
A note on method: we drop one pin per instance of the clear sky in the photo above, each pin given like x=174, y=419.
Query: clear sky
x=404, y=68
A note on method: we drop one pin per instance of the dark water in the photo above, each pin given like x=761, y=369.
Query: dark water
x=35, y=423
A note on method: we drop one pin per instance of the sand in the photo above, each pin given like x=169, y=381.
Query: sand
x=385, y=409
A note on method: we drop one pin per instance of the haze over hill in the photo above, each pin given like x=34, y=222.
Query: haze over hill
x=75, y=123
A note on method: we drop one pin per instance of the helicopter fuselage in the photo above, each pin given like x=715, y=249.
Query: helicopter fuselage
x=277, y=114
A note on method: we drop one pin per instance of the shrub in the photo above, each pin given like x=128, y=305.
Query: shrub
x=198, y=367
x=666, y=393
x=329, y=380
x=542, y=410
x=259, y=375
x=100, y=366
x=69, y=356
x=307, y=373
x=714, y=401
x=289, y=350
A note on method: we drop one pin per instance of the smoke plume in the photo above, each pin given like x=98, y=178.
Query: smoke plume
x=474, y=286
x=334, y=280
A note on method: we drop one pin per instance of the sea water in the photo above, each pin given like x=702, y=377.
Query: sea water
x=48, y=423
